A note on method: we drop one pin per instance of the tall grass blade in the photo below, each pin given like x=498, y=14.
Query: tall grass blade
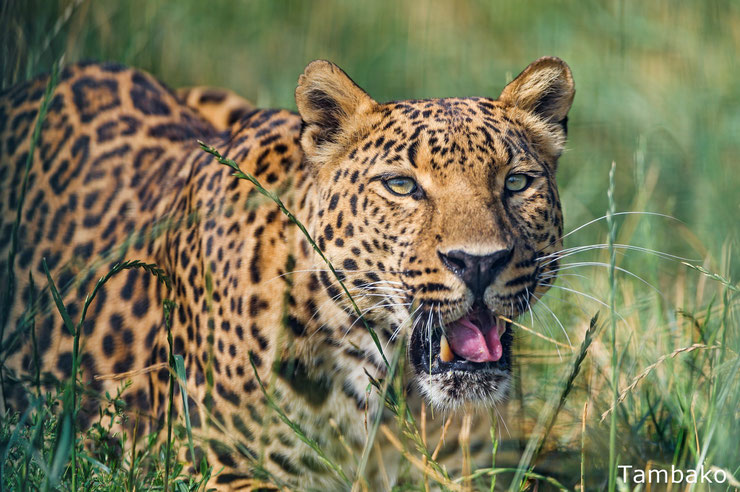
x=58, y=299
x=76, y=332
x=14, y=438
x=272, y=196
x=613, y=320
x=567, y=385
x=34, y=341
x=63, y=445
x=494, y=441
x=714, y=276
x=182, y=382
x=492, y=472
x=297, y=430
x=554, y=405
x=6, y=305
x=169, y=306
x=70, y=401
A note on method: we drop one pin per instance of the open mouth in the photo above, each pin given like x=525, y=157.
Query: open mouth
x=477, y=341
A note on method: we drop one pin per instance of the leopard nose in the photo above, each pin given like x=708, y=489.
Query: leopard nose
x=477, y=271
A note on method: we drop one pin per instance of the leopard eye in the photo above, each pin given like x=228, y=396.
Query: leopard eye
x=400, y=186
x=517, y=182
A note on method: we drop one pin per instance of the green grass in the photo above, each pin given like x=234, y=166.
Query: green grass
x=613, y=321
x=657, y=94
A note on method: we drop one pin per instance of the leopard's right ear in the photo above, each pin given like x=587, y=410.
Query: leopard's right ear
x=331, y=106
x=545, y=88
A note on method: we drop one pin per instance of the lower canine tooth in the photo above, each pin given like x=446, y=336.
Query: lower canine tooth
x=445, y=352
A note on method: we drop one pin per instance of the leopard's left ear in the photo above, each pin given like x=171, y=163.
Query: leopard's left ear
x=331, y=106
x=544, y=88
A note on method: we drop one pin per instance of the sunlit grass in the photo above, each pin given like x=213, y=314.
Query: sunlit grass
x=657, y=95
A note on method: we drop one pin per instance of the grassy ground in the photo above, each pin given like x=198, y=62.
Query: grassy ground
x=657, y=94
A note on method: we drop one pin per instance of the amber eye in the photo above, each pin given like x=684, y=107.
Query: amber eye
x=517, y=182
x=400, y=186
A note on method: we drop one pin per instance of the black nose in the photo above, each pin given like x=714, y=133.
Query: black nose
x=476, y=271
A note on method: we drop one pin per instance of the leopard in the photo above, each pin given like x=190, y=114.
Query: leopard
x=417, y=232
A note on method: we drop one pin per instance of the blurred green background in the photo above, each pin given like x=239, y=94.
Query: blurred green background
x=657, y=82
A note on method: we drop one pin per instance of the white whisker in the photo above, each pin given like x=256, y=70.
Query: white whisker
x=563, y=253
x=559, y=323
x=603, y=217
x=596, y=300
x=569, y=266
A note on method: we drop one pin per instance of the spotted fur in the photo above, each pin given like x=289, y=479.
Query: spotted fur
x=220, y=107
x=117, y=174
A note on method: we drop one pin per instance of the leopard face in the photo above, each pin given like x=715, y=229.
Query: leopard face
x=439, y=215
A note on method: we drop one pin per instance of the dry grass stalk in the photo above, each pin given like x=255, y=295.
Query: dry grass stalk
x=731, y=480
x=464, y=439
x=696, y=431
x=428, y=470
x=583, y=445
x=381, y=466
x=442, y=438
x=648, y=370
x=424, y=441
x=130, y=374
x=340, y=436
x=535, y=333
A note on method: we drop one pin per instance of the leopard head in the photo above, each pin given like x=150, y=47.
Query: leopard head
x=441, y=215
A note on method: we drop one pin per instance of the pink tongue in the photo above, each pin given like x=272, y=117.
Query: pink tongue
x=469, y=342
